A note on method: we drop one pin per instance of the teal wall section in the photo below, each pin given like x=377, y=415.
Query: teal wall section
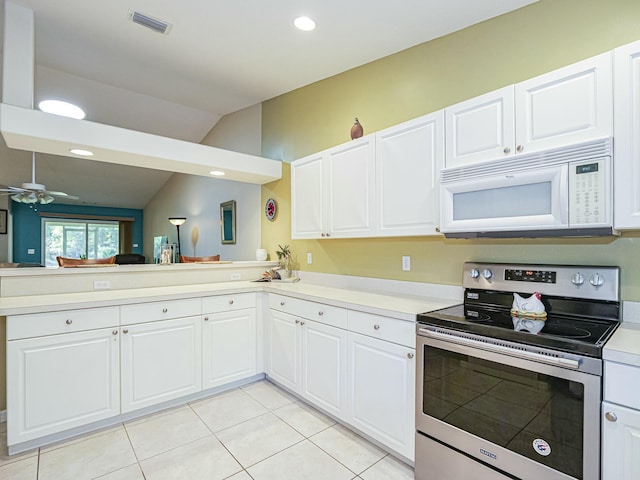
x=27, y=226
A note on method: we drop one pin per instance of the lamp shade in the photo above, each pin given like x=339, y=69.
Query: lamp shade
x=177, y=221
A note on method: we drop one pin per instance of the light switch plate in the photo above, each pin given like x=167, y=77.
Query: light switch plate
x=235, y=276
x=406, y=263
x=31, y=251
x=309, y=258
x=101, y=285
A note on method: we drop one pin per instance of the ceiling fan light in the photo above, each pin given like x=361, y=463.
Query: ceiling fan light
x=44, y=199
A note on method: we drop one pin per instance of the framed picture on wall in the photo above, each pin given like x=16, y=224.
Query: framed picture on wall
x=3, y=221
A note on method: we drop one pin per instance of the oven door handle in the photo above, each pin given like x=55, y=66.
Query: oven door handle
x=538, y=357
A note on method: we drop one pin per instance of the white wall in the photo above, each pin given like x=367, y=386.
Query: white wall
x=198, y=199
x=239, y=131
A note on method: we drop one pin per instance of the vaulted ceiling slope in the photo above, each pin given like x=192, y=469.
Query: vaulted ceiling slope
x=218, y=57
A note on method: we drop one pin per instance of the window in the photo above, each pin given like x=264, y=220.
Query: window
x=79, y=239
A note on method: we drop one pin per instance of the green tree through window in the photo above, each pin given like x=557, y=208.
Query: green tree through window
x=79, y=239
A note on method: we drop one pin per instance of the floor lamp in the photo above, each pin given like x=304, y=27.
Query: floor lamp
x=177, y=221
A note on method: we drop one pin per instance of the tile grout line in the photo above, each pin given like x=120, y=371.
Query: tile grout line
x=135, y=454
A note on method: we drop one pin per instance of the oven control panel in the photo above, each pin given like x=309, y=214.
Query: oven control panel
x=578, y=281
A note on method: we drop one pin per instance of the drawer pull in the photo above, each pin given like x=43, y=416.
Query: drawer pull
x=206, y=319
x=282, y=304
x=612, y=417
x=409, y=355
x=164, y=310
x=126, y=330
x=115, y=332
x=230, y=302
x=69, y=321
x=320, y=313
x=376, y=327
x=297, y=321
x=301, y=323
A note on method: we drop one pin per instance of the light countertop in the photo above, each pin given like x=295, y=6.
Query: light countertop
x=624, y=345
x=389, y=304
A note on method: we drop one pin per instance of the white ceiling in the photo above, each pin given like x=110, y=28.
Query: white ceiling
x=219, y=57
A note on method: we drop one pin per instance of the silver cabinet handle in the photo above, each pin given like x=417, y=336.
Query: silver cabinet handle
x=282, y=304
x=328, y=234
x=324, y=234
x=520, y=148
x=206, y=319
x=115, y=332
x=297, y=321
x=321, y=313
x=230, y=302
x=301, y=323
x=612, y=417
x=126, y=330
x=376, y=327
x=409, y=355
x=69, y=321
x=164, y=310
x=507, y=150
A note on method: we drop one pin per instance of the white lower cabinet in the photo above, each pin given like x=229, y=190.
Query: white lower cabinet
x=58, y=382
x=228, y=347
x=309, y=358
x=382, y=391
x=161, y=361
x=620, y=443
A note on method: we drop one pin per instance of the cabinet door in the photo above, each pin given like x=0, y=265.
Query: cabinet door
x=569, y=105
x=60, y=382
x=324, y=366
x=627, y=139
x=160, y=361
x=381, y=399
x=620, y=443
x=307, y=197
x=408, y=162
x=481, y=128
x=283, y=350
x=350, y=188
x=228, y=347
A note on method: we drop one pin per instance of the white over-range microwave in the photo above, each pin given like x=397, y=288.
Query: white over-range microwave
x=562, y=192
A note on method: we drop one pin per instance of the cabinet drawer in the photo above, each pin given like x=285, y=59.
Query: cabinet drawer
x=66, y=321
x=319, y=312
x=384, y=328
x=225, y=303
x=617, y=379
x=153, y=311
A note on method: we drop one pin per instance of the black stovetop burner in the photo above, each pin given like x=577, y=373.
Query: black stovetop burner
x=576, y=326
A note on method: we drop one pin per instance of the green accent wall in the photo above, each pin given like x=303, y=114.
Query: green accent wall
x=511, y=48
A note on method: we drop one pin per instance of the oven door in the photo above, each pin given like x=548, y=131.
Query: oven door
x=521, y=200
x=491, y=410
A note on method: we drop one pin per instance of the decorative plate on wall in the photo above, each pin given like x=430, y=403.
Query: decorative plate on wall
x=270, y=209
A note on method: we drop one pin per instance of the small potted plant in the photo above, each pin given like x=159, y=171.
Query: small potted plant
x=285, y=259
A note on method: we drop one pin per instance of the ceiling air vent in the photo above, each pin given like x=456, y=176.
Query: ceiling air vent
x=154, y=24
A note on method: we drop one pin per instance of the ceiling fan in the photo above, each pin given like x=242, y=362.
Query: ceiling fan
x=33, y=192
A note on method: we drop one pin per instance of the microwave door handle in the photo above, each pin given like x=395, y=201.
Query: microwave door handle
x=536, y=357
x=564, y=194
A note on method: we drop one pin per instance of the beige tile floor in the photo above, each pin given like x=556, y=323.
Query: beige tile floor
x=255, y=432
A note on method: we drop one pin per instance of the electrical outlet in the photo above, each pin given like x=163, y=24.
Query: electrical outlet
x=31, y=251
x=309, y=258
x=101, y=285
x=235, y=276
x=406, y=263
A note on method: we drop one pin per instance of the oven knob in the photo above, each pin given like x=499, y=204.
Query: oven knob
x=596, y=280
x=486, y=273
x=577, y=279
x=474, y=273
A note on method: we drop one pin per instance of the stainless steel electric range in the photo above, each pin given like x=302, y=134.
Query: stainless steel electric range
x=513, y=390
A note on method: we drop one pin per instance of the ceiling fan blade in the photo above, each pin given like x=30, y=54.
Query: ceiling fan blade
x=62, y=194
x=10, y=189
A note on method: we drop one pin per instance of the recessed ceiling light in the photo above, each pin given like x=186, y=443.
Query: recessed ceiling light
x=216, y=173
x=65, y=109
x=304, y=23
x=79, y=151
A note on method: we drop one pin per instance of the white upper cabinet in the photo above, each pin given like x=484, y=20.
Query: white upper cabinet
x=569, y=105
x=566, y=106
x=627, y=137
x=409, y=157
x=380, y=185
x=481, y=128
x=332, y=192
